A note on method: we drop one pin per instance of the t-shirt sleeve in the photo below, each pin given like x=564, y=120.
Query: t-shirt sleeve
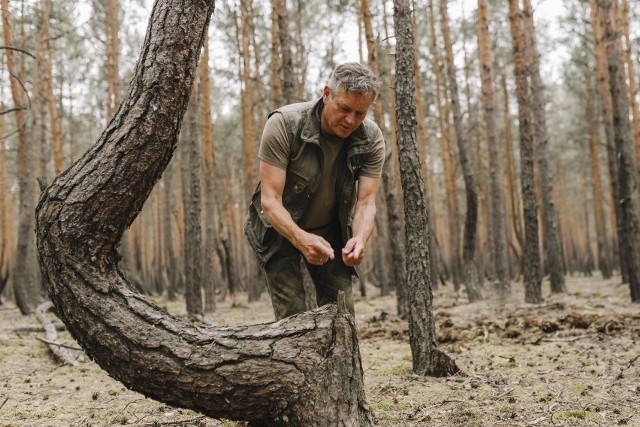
x=275, y=144
x=372, y=166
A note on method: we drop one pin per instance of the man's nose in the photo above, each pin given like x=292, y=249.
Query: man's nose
x=350, y=118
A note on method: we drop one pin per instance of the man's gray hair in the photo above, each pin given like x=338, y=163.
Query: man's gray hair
x=354, y=77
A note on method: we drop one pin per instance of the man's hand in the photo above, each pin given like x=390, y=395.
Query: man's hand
x=353, y=252
x=314, y=248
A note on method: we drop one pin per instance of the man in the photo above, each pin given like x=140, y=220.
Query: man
x=320, y=167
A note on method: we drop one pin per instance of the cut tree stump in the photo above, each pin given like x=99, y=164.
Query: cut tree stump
x=301, y=371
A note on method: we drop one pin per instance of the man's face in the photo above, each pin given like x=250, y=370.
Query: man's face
x=344, y=111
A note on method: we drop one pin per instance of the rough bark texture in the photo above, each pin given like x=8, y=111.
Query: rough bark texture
x=304, y=370
x=24, y=265
x=498, y=225
x=191, y=196
x=471, y=280
x=552, y=241
x=602, y=236
x=607, y=119
x=531, y=260
x=288, y=76
x=449, y=173
x=625, y=152
x=427, y=359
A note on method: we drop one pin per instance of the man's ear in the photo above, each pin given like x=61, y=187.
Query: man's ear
x=326, y=93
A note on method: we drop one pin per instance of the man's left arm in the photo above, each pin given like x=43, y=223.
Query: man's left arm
x=363, y=220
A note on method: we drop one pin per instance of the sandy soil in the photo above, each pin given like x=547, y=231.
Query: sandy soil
x=572, y=361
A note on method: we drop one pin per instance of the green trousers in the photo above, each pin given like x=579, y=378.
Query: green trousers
x=284, y=276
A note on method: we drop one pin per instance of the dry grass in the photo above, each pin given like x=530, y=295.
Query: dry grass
x=572, y=361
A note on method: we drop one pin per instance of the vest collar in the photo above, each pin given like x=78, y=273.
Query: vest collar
x=311, y=127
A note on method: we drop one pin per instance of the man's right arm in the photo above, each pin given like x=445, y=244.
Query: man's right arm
x=314, y=248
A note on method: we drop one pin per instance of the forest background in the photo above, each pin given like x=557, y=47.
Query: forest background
x=72, y=61
x=66, y=67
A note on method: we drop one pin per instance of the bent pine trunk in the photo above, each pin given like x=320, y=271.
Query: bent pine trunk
x=304, y=370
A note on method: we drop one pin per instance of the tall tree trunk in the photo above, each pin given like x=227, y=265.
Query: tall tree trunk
x=191, y=195
x=448, y=169
x=532, y=276
x=391, y=186
x=277, y=98
x=514, y=201
x=5, y=241
x=625, y=152
x=427, y=358
x=47, y=83
x=112, y=56
x=631, y=74
x=552, y=243
x=288, y=75
x=210, y=277
x=471, y=279
x=250, y=148
x=295, y=372
x=425, y=153
x=602, y=236
x=607, y=118
x=497, y=219
x=24, y=265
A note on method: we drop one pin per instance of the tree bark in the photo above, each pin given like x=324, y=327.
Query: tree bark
x=191, y=195
x=448, y=170
x=427, y=358
x=497, y=219
x=607, y=119
x=471, y=280
x=24, y=267
x=551, y=239
x=532, y=276
x=625, y=152
x=304, y=370
x=112, y=56
x=277, y=98
x=210, y=276
x=604, y=262
x=288, y=76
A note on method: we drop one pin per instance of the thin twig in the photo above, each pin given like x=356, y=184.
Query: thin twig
x=46, y=341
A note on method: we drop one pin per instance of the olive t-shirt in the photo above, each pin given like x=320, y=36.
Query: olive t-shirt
x=275, y=147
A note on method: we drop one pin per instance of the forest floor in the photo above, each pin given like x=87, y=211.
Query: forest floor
x=572, y=361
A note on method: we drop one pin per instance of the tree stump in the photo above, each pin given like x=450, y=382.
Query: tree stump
x=304, y=370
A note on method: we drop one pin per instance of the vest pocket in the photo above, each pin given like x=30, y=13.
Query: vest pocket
x=296, y=194
x=257, y=228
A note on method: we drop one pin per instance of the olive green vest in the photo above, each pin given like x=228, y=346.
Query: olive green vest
x=303, y=176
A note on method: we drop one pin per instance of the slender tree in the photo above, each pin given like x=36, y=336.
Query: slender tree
x=498, y=225
x=448, y=169
x=551, y=240
x=625, y=151
x=288, y=75
x=210, y=276
x=24, y=265
x=531, y=259
x=427, y=358
x=191, y=196
x=607, y=119
x=471, y=279
x=46, y=70
x=602, y=239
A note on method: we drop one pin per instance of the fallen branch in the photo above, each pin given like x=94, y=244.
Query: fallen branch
x=46, y=341
x=59, y=350
x=25, y=329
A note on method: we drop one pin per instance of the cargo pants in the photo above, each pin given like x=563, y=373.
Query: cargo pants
x=284, y=276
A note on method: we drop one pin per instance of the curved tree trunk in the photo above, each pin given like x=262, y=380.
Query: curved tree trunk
x=304, y=370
